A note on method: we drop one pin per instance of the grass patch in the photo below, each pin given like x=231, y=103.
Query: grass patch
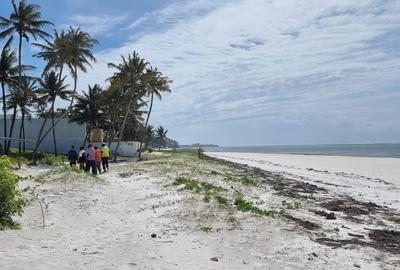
x=190, y=184
x=64, y=173
x=232, y=219
x=222, y=200
x=207, y=197
x=125, y=174
x=206, y=229
x=246, y=206
x=243, y=180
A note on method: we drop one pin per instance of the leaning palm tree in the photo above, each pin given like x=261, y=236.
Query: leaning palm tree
x=8, y=76
x=129, y=76
x=88, y=109
x=77, y=54
x=161, y=135
x=25, y=21
x=155, y=85
x=51, y=88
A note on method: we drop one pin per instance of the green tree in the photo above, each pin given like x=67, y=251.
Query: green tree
x=77, y=54
x=129, y=76
x=51, y=88
x=25, y=21
x=161, y=135
x=8, y=77
x=155, y=84
x=89, y=109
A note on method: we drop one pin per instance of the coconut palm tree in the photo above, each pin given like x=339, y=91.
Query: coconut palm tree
x=8, y=76
x=161, y=135
x=129, y=76
x=25, y=100
x=88, y=109
x=155, y=85
x=149, y=135
x=51, y=88
x=54, y=53
x=24, y=21
x=77, y=54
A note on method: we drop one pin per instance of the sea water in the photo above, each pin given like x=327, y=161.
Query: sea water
x=362, y=150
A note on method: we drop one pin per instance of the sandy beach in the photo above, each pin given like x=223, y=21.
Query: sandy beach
x=177, y=212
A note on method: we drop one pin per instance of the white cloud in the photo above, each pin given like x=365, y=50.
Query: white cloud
x=271, y=61
x=98, y=24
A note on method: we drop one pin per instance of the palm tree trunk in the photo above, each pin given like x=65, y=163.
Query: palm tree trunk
x=5, y=116
x=145, y=126
x=23, y=137
x=11, y=129
x=54, y=130
x=40, y=139
x=18, y=92
x=159, y=145
x=122, y=129
x=20, y=130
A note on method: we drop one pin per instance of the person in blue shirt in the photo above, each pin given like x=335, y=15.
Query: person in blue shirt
x=72, y=156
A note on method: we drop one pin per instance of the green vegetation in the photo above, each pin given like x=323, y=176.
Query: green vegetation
x=246, y=206
x=243, y=180
x=206, y=229
x=232, y=219
x=190, y=184
x=11, y=202
x=291, y=205
x=125, y=174
x=64, y=173
x=222, y=200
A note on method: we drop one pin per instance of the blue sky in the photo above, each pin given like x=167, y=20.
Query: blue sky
x=255, y=72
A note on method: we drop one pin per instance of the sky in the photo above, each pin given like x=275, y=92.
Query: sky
x=254, y=72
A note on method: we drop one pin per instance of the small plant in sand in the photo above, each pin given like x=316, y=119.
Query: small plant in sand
x=206, y=229
x=222, y=200
x=11, y=201
x=232, y=219
x=246, y=206
x=291, y=205
x=125, y=174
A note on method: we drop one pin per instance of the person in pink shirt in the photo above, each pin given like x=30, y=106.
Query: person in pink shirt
x=91, y=159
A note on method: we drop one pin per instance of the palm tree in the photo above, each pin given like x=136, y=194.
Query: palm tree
x=76, y=54
x=155, y=85
x=130, y=77
x=25, y=21
x=88, y=109
x=8, y=72
x=161, y=135
x=149, y=135
x=54, y=53
x=26, y=98
x=51, y=88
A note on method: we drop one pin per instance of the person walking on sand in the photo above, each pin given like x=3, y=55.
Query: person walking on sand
x=82, y=158
x=72, y=156
x=91, y=159
x=98, y=159
x=105, y=155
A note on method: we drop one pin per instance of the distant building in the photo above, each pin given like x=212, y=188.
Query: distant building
x=67, y=134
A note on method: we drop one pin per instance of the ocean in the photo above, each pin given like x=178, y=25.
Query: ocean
x=362, y=150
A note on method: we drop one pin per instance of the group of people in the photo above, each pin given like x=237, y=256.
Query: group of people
x=90, y=159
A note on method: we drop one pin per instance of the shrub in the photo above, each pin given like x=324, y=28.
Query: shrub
x=11, y=202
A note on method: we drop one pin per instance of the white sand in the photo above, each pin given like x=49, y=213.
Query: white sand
x=107, y=223
x=368, y=178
